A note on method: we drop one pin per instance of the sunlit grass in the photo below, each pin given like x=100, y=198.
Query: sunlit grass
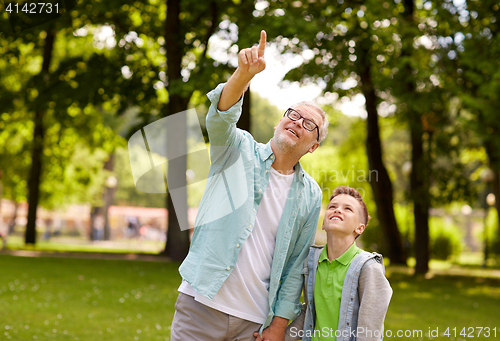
x=476, y=259
x=470, y=260
x=93, y=300
x=442, y=302
x=83, y=245
x=85, y=299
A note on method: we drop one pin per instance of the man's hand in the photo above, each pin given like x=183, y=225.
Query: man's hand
x=275, y=331
x=251, y=60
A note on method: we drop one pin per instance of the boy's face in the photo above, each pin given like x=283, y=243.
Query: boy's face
x=344, y=216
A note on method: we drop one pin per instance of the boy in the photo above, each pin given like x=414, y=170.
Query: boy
x=345, y=289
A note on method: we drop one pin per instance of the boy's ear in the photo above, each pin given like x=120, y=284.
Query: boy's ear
x=359, y=230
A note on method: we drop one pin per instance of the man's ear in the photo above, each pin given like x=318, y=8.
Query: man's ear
x=360, y=228
x=313, y=147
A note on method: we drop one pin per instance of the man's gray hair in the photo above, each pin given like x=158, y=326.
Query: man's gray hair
x=323, y=128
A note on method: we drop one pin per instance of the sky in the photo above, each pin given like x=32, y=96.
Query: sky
x=267, y=83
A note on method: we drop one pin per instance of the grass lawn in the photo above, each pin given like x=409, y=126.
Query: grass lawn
x=444, y=302
x=80, y=244
x=94, y=300
x=86, y=299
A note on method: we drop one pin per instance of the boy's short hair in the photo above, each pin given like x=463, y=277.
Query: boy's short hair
x=355, y=194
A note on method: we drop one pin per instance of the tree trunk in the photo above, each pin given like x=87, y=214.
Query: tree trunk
x=102, y=211
x=496, y=192
x=419, y=182
x=12, y=225
x=38, y=143
x=419, y=192
x=494, y=164
x=1, y=196
x=177, y=244
x=109, y=195
x=381, y=184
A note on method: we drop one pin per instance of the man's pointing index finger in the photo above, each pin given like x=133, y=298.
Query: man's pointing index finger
x=262, y=43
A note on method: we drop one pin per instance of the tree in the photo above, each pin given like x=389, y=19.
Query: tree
x=177, y=245
x=471, y=59
x=38, y=146
x=337, y=42
x=420, y=172
x=187, y=28
x=64, y=98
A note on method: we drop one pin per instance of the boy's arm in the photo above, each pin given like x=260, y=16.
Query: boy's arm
x=374, y=296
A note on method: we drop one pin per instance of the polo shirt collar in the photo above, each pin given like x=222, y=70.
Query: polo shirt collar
x=323, y=255
x=345, y=259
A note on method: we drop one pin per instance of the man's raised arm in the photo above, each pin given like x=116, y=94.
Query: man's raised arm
x=250, y=62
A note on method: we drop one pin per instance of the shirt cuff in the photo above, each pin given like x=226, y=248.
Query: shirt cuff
x=287, y=310
x=231, y=115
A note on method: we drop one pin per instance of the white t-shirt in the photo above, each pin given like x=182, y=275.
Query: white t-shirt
x=245, y=292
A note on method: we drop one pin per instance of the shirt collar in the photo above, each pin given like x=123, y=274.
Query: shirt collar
x=323, y=255
x=345, y=259
x=267, y=151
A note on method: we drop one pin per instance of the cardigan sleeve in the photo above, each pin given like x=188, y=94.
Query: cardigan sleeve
x=374, y=296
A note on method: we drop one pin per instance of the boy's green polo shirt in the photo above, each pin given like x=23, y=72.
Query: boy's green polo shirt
x=328, y=292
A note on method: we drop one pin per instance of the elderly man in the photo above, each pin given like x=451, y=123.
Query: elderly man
x=243, y=271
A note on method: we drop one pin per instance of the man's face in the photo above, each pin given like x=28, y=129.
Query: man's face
x=344, y=216
x=292, y=134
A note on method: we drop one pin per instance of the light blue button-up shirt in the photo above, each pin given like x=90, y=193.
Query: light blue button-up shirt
x=238, y=176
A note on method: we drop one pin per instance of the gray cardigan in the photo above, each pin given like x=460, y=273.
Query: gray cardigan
x=365, y=298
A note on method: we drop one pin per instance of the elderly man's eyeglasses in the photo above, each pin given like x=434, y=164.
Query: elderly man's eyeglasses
x=306, y=123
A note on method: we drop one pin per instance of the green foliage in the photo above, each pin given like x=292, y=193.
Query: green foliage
x=108, y=59
x=264, y=117
x=126, y=193
x=420, y=59
x=80, y=179
x=443, y=247
x=101, y=87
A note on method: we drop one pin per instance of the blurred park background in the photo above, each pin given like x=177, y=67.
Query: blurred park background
x=411, y=88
